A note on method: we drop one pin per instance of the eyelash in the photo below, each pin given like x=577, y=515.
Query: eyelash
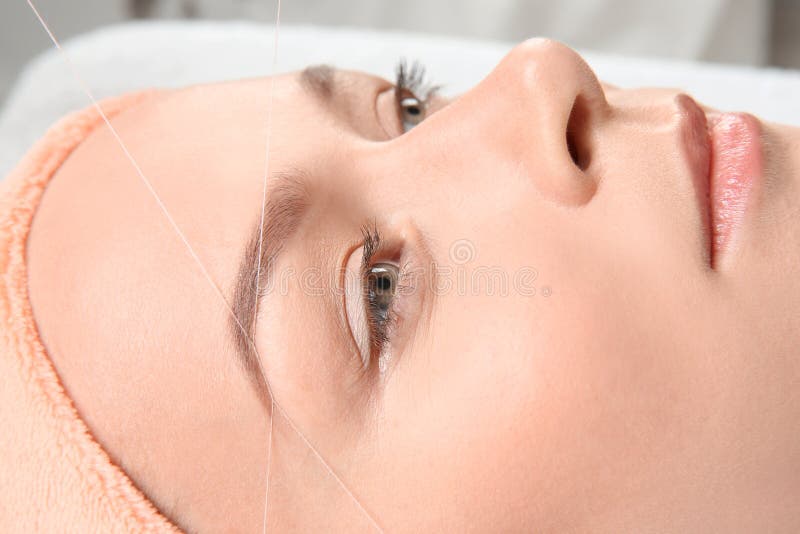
x=379, y=329
x=412, y=81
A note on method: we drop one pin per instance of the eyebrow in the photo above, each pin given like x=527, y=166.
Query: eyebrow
x=287, y=202
x=320, y=81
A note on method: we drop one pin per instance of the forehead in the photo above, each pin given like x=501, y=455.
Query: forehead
x=119, y=263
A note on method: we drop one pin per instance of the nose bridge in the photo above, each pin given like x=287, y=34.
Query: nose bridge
x=522, y=111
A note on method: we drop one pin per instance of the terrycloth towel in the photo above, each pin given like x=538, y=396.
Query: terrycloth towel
x=54, y=476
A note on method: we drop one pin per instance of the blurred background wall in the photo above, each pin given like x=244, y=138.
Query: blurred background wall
x=755, y=32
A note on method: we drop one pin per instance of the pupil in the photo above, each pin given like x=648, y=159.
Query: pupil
x=384, y=283
x=413, y=110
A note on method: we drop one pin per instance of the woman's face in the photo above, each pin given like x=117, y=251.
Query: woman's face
x=525, y=313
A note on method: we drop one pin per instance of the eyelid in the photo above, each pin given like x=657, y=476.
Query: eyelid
x=353, y=313
x=386, y=103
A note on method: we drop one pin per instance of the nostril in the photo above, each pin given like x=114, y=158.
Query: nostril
x=577, y=134
x=573, y=151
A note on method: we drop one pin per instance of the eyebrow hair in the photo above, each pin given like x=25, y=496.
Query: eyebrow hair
x=319, y=80
x=287, y=202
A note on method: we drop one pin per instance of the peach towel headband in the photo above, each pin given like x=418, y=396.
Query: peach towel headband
x=54, y=476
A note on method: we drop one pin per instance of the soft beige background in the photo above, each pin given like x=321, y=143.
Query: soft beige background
x=756, y=32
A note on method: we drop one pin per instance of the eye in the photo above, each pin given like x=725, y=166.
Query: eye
x=382, y=280
x=412, y=112
x=381, y=302
x=373, y=297
x=412, y=93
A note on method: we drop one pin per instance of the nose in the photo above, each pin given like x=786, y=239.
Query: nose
x=542, y=105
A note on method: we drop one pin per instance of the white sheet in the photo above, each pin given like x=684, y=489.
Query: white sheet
x=171, y=54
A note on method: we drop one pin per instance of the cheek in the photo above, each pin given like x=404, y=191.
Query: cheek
x=457, y=417
x=528, y=397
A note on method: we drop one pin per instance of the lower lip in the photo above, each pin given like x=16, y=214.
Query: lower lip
x=736, y=163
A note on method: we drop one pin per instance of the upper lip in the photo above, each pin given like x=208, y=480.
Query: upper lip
x=696, y=146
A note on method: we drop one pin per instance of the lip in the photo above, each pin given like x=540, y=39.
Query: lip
x=724, y=153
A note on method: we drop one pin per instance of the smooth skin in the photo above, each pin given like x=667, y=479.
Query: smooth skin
x=635, y=389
